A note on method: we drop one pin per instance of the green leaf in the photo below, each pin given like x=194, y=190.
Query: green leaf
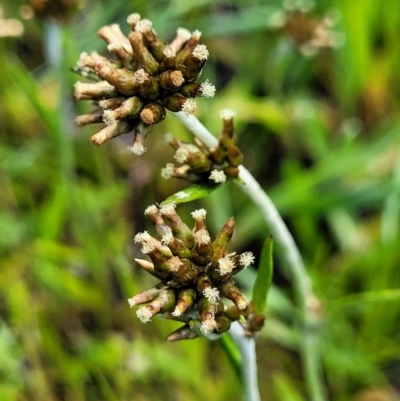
x=232, y=351
x=264, y=277
x=190, y=194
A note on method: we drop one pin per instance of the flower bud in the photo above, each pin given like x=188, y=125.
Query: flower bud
x=130, y=108
x=142, y=54
x=229, y=290
x=233, y=313
x=227, y=136
x=169, y=59
x=191, y=67
x=176, y=246
x=234, y=155
x=122, y=78
x=186, y=299
x=164, y=302
x=148, y=266
x=112, y=34
x=231, y=172
x=223, y=323
x=94, y=91
x=153, y=212
x=112, y=103
x=175, y=102
x=111, y=131
x=217, y=155
x=171, y=80
x=146, y=296
x=221, y=243
x=148, y=85
x=153, y=42
x=96, y=116
x=182, y=270
x=182, y=36
x=153, y=113
x=121, y=53
x=189, y=47
x=178, y=227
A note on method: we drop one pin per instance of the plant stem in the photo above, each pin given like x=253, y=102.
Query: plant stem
x=308, y=303
x=247, y=348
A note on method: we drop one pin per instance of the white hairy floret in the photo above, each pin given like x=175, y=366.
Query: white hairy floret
x=225, y=265
x=246, y=259
x=199, y=214
x=167, y=171
x=242, y=304
x=189, y=107
x=137, y=148
x=196, y=34
x=141, y=76
x=133, y=19
x=212, y=294
x=83, y=58
x=147, y=247
x=168, y=209
x=227, y=114
x=207, y=89
x=113, y=46
x=217, y=176
x=108, y=117
x=200, y=52
x=142, y=237
x=202, y=237
x=168, y=52
x=144, y=314
x=167, y=237
x=181, y=155
x=208, y=326
x=143, y=25
x=176, y=312
x=174, y=264
x=152, y=209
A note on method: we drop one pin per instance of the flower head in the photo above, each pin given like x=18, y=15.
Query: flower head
x=200, y=164
x=195, y=273
x=142, y=79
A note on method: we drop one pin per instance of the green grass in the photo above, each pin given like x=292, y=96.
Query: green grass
x=320, y=133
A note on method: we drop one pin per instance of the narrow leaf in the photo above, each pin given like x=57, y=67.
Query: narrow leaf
x=232, y=351
x=190, y=194
x=264, y=277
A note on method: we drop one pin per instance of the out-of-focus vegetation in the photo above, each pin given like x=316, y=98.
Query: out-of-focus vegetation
x=320, y=129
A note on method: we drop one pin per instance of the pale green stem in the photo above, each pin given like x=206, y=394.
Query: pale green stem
x=247, y=348
x=307, y=301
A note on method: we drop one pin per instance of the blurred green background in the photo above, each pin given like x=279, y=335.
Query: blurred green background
x=316, y=89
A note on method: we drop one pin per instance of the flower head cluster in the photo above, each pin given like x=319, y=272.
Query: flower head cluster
x=144, y=77
x=308, y=33
x=200, y=164
x=195, y=273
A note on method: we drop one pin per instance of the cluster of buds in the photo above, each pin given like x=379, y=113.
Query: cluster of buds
x=200, y=164
x=194, y=274
x=308, y=33
x=144, y=78
x=59, y=10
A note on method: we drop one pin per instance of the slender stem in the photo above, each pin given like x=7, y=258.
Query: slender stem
x=247, y=348
x=307, y=301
